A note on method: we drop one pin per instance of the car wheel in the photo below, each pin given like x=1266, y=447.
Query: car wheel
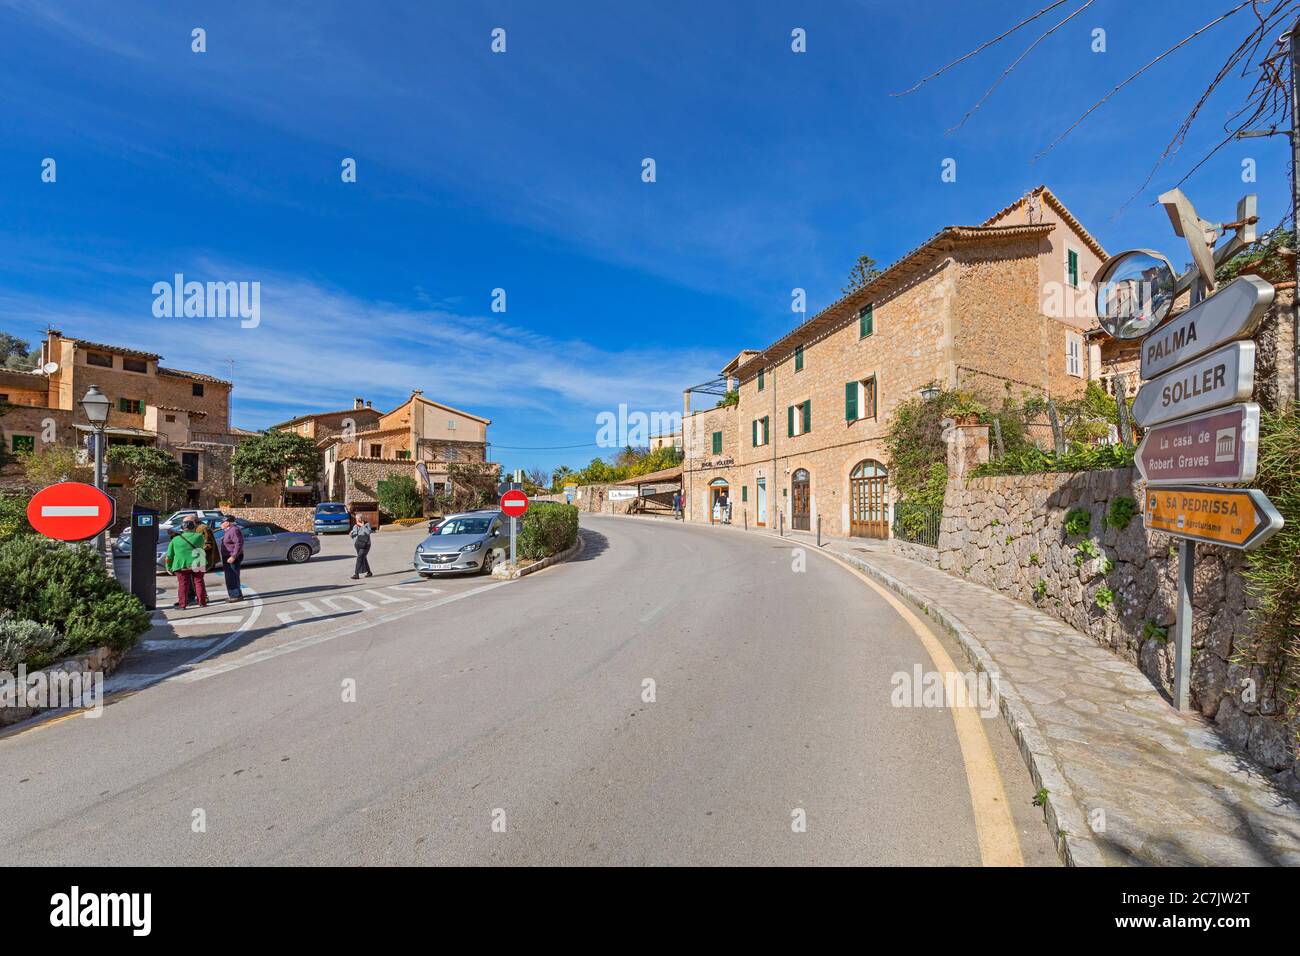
x=299, y=554
x=489, y=561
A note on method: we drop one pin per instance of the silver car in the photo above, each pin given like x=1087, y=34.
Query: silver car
x=467, y=542
x=265, y=542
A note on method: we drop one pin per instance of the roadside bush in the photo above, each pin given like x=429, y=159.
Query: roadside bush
x=1031, y=461
x=26, y=642
x=547, y=528
x=399, y=497
x=13, y=517
x=68, y=589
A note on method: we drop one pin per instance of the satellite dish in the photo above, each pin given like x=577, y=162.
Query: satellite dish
x=1135, y=291
x=49, y=368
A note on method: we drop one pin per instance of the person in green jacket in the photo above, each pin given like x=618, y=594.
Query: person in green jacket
x=187, y=560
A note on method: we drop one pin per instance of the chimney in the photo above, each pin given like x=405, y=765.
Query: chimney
x=417, y=391
x=370, y=404
x=358, y=403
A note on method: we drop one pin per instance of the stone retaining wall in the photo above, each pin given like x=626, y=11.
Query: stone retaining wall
x=1008, y=533
x=20, y=702
x=290, y=519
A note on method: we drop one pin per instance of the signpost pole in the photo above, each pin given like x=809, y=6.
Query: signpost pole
x=512, y=540
x=1183, y=624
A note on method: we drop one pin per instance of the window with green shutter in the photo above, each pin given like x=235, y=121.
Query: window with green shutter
x=866, y=320
x=850, y=401
x=798, y=358
x=789, y=420
x=767, y=429
x=744, y=492
x=754, y=432
x=717, y=443
x=760, y=379
x=807, y=417
x=1072, y=267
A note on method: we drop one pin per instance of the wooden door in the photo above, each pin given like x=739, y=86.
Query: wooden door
x=869, y=501
x=801, y=502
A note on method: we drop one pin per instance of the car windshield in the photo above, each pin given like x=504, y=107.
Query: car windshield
x=464, y=526
x=331, y=509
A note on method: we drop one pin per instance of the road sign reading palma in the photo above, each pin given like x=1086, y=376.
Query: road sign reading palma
x=1224, y=376
x=1231, y=313
x=1217, y=446
x=1236, y=518
x=70, y=511
x=514, y=503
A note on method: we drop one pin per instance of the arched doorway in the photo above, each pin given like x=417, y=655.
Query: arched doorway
x=719, y=499
x=869, y=500
x=800, y=500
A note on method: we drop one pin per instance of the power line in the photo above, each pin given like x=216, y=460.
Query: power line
x=591, y=444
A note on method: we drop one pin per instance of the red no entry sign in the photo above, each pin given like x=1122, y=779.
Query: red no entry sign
x=70, y=511
x=514, y=503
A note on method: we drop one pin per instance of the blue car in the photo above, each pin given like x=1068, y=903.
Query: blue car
x=331, y=516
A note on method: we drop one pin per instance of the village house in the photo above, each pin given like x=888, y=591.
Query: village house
x=184, y=413
x=1000, y=309
x=361, y=446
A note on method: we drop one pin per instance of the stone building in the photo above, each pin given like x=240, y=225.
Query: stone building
x=183, y=412
x=999, y=308
x=361, y=446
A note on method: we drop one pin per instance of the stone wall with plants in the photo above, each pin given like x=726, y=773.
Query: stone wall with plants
x=1074, y=546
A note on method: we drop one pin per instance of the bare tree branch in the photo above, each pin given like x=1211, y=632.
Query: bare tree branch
x=979, y=49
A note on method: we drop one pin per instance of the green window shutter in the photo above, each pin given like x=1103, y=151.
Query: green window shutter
x=767, y=429
x=866, y=321
x=753, y=427
x=717, y=443
x=807, y=416
x=850, y=401
x=798, y=358
x=789, y=420
x=744, y=492
x=1072, y=258
x=760, y=379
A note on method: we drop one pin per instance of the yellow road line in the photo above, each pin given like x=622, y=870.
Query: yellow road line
x=994, y=827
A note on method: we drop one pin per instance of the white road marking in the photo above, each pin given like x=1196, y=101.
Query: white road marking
x=304, y=607
x=311, y=641
x=178, y=643
x=359, y=603
x=190, y=621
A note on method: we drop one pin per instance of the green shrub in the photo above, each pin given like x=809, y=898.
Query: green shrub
x=67, y=588
x=27, y=642
x=1040, y=589
x=1121, y=512
x=1078, y=521
x=1030, y=461
x=547, y=528
x=13, y=517
x=1150, y=629
x=399, y=497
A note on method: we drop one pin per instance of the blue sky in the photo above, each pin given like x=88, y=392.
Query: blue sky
x=522, y=171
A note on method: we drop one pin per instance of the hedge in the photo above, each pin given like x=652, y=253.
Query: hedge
x=548, y=527
x=68, y=589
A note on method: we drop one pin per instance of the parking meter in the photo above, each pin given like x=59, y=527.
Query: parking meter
x=144, y=555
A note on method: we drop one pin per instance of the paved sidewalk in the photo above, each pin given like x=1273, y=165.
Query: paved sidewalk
x=1130, y=781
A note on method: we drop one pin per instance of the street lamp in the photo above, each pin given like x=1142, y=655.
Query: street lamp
x=96, y=405
x=930, y=391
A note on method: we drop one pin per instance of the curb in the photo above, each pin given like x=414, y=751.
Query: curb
x=1064, y=817
x=508, y=573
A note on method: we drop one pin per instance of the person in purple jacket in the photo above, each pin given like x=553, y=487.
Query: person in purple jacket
x=232, y=557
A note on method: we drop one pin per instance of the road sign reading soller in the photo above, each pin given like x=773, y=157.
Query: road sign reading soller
x=514, y=503
x=1217, y=446
x=70, y=511
x=1241, y=518
x=1224, y=376
x=1231, y=313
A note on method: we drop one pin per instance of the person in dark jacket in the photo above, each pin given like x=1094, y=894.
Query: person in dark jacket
x=211, y=553
x=232, y=557
x=361, y=541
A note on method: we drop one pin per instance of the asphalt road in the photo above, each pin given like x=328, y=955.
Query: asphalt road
x=504, y=722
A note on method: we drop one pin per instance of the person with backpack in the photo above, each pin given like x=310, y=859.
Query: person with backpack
x=211, y=553
x=361, y=541
x=187, y=560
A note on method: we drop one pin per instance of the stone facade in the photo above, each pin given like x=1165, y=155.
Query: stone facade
x=1008, y=533
x=968, y=309
x=18, y=702
x=290, y=519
